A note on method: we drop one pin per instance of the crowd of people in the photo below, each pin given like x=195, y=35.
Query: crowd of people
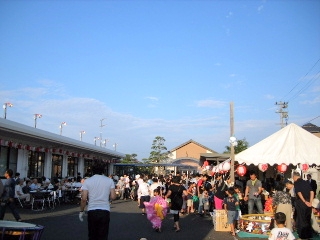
x=201, y=194
x=156, y=195
x=15, y=187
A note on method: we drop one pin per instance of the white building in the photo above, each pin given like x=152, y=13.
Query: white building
x=35, y=153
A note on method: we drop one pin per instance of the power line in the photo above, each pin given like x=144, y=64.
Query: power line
x=308, y=84
x=312, y=119
x=300, y=81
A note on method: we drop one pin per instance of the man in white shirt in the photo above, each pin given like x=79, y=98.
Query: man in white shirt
x=19, y=193
x=98, y=190
x=34, y=185
x=155, y=184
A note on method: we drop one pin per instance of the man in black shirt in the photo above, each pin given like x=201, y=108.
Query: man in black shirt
x=313, y=184
x=7, y=197
x=304, y=198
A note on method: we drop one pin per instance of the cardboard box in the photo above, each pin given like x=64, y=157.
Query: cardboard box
x=220, y=221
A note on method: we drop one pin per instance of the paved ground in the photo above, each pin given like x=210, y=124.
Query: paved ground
x=127, y=223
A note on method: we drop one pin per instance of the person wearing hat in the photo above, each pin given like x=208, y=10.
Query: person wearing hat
x=315, y=211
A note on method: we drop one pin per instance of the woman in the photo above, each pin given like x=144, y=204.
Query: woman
x=219, y=192
x=282, y=203
x=175, y=192
x=290, y=190
x=143, y=194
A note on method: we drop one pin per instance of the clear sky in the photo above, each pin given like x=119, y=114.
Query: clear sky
x=160, y=68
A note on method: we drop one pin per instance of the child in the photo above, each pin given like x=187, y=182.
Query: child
x=230, y=202
x=156, y=209
x=280, y=232
x=189, y=197
x=239, y=197
x=205, y=201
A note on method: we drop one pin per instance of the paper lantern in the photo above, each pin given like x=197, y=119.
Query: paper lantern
x=226, y=166
x=304, y=167
x=263, y=167
x=282, y=167
x=214, y=169
x=241, y=170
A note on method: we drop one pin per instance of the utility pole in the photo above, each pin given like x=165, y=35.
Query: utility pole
x=231, y=145
x=101, y=126
x=283, y=113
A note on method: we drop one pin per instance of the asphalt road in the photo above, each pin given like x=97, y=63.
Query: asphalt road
x=127, y=223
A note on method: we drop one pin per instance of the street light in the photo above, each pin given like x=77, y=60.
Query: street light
x=105, y=142
x=81, y=132
x=95, y=140
x=5, y=106
x=36, y=116
x=61, y=125
x=115, y=146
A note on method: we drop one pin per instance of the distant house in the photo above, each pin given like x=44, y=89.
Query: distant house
x=194, y=154
x=314, y=129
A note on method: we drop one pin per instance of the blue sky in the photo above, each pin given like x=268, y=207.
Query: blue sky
x=160, y=68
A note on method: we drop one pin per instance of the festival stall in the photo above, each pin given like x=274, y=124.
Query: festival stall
x=291, y=145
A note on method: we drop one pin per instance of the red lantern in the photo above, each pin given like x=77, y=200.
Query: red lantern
x=241, y=170
x=263, y=167
x=304, y=167
x=282, y=167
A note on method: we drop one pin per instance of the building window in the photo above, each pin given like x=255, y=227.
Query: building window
x=3, y=160
x=56, y=166
x=88, y=167
x=35, y=164
x=8, y=159
x=72, y=166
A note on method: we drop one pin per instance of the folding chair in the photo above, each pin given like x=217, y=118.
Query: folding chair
x=53, y=199
x=19, y=201
x=38, y=200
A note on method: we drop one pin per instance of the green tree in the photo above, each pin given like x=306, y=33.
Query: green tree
x=130, y=158
x=159, y=151
x=242, y=145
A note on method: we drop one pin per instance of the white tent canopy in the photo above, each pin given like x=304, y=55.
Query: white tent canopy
x=290, y=145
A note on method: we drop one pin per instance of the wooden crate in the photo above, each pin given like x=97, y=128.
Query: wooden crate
x=220, y=221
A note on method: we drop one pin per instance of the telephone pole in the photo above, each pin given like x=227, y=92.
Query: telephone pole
x=101, y=126
x=283, y=114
